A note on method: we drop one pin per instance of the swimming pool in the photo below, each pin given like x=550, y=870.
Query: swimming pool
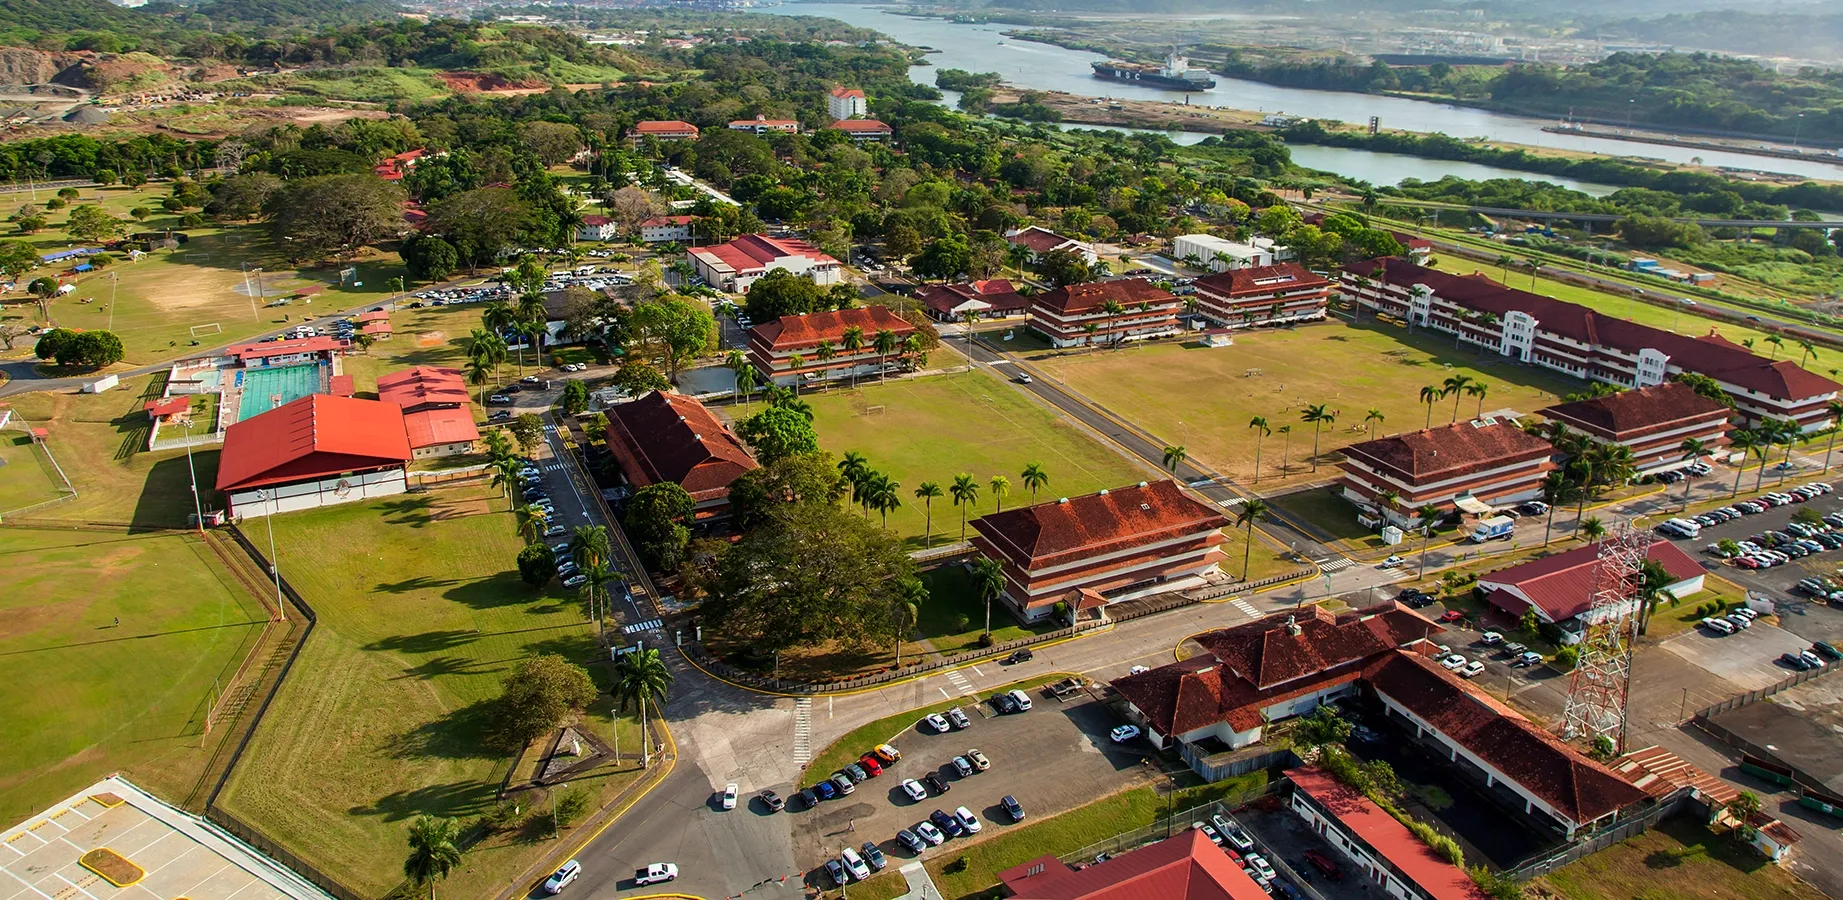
x=266, y=388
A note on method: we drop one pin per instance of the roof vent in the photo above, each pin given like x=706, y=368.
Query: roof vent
x=1103, y=492
x=697, y=437
x=1292, y=626
x=1062, y=499
x=1145, y=507
x=1142, y=484
x=681, y=418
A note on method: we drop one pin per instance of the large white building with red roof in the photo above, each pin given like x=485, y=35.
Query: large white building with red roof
x=660, y=229
x=765, y=125
x=438, y=416
x=735, y=265
x=1185, y=867
x=1651, y=422
x=1560, y=587
x=666, y=437
x=316, y=451
x=1115, y=544
x=773, y=345
x=1078, y=315
x=597, y=228
x=1282, y=294
x=1575, y=339
x=847, y=103
x=1482, y=461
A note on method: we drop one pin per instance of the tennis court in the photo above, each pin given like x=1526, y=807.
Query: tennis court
x=266, y=388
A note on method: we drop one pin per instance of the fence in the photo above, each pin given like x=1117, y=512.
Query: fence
x=1223, y=590
x=1599, y=840
x=1240, y=765
x=229, y=822
x=1751, y=697
x=710, y=663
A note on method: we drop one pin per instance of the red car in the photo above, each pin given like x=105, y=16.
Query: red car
x=1452, y=615
x=871, y=764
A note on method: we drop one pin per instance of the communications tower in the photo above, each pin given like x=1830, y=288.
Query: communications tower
x=1603, y=676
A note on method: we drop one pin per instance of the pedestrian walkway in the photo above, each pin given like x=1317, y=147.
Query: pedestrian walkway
x=1245, y=607
x=1328, y=566
x=803, y=730
x=921, y=887
x=959, y=681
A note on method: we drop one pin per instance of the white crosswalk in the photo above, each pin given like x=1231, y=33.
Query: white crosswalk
x=556, y=467
x=1335, y=563
x=803, y=730
x=648, y=625
x=1245, y=607
x=959, y=681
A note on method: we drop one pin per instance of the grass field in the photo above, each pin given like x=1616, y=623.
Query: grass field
x=972, y=423
x=1204, y=398
x=1676, y=860
x=26, y=475
x=84, y=696
x=421, y=614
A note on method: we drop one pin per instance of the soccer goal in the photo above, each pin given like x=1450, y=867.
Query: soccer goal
x=873, y=410
x=207, y=328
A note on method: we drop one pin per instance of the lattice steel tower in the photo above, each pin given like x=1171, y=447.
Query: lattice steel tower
x=1603, y=676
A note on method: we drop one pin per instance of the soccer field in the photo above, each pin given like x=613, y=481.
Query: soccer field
x=930, y=429
x=86, y=696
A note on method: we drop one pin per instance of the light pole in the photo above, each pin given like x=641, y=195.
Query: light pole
x=198, y=512
x=113, y=280
x=554, y=826
x=1797, y=127
x=268, y=498
x=1630, y=107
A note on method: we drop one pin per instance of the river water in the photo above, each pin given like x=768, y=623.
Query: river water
x=984, y=48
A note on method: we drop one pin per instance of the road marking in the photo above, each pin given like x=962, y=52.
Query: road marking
x=944, y=692
x=976, y=671
x=1335, y=564
x=648, y=625
x=803, y=730
x=1245, y=607
x=959, y=681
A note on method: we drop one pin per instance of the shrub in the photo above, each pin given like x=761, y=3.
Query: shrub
x=1566, y=657
x=959, y=864
x=55, y=203
x=571, y=806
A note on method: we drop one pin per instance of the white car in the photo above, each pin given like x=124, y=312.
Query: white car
x=656, y=873
x=1453, y=662
x=1260, y=864
x=729, y=795
x=914, y=789
x=854, y=863
x=1124, y=733
x=1471, y=669
x=927, y=832
x=1391, y=562
x=1208, y=832
x=1138, y=669
x=575, y=581
x=937, y=722
x=561, y=879
x=968, y=821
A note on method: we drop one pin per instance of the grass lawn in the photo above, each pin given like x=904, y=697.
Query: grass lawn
x=859, y=740
x=421, y=614
x=1204, y=398
x=99, y=440
x=973, y=423
x=954, y=616
x=1324, y=509
x=1678, y=859
x=1668, y=620
x=26, y=475
x=85, y=697
x=1615, y=305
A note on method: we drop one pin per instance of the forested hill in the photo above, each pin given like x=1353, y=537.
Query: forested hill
x=1800, y=34
x=277, y=13
x=163, y=25
x=67, y=16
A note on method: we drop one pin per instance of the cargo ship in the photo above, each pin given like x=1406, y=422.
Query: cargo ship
x=1176, y=73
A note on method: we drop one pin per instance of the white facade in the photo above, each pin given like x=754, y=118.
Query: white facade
x=1375, y=870
x=599, y=230
x=724, y=277
x=1221, y=254
x=665, y=231
x=842, y=104
x=328, y=491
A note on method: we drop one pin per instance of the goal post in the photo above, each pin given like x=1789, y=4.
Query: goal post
x=207, y=328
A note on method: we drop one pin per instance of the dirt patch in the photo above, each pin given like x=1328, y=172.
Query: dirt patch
x=432, y=339
x=112, y=866
x=331, y=115
x=487, y=83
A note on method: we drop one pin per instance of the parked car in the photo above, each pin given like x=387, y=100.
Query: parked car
x=887, y=753
x=1719, y=626
x=729, y=796
x=914, y=789
x=961, y=766
x=844, y=784
x=1453, y=662
x=575, y=581
x=978, y=759
x=856, y=773
x=1020, y=699
x=874, y=857
x=1208, y=832
x=1825, y=650
x=1796, y=661
x=958, y=718
x=809, y=797
x=854, y=863
x=826, y=789
x=947, y=823
x=1324, y=864
x=927, y=832
x=1491, y=639
x=562, y=878
x=1123, y=733
x=1260, y=864
x=871, y=766
x=910, y=840
x=935, y=783
x=1528, y=658
x=967, y=820
x=1472, y=669
x=1003, y=703
x=1018, y=656
x=937, y=722
x=771, y=800
x=836, y=872
x=1013, y=808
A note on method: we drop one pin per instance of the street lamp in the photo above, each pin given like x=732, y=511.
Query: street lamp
x=268, y=499
x=198, y=512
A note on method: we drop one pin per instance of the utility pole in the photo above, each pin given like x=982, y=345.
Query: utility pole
x=198, y=512
x=113, y=281
x=274, y=564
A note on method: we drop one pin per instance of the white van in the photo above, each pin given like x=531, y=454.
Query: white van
x=1683, y=528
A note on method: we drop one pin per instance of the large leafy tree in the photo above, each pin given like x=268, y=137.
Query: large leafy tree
x=93, y=223
x=481, y=224
x=779, y=432
x=800, y=478
x=656, y=519
x=782, y=293
x=333, y=215
x=674, y=330
x=540, y=694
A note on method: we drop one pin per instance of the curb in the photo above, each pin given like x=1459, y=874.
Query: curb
x=888, y=684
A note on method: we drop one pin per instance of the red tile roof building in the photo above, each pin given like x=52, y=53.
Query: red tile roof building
x=992, y=298
x=659, y=229
x=669, y=130
x=1560, y=587
x=863, y=129
x=597, y=228
x=763, y=125
x=395, y=167
x=316, y=451
x=1185, y=867
x=437, y=416
x=293, y=351
x=1575, y=339
x=1494, y=462
x=735, y=265
x=665, y=437
x=1265, y=671
x=1384, y=851
x=773, y=345
x=1123, y=543
x=1651, y=422
x=1039, y=241
x=1285, y=293
x=1064, y=315
x=847, y=103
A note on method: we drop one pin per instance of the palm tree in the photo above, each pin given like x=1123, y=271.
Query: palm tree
x=1112, y=309
x=910, y=593
x=989, y=581
x=1593, y=529
x=1809, y=351
x=1261, y=431
x=530, y=320
x=965, y=493
x=1691, y=450
x=825, y=353
x=1090, y=330
x=1787, y=432
x=1252, y=510
x=1000, y=487
x=478, y=374
x=1175, y=454
x=927, y=494
x=1742, y=440
x=638, y=676
x=885, y=343
x=1478, y=389
x=1777, y=343
x=1452, y=387
x=1425, y=518
x=853, y=467
x=505, y=476
x=1034, y=478
x=884, y=496
x=1429, y=394
x=595, y=578
x=531, y=520
x=1286, y=443
x=745, y=385
x=1653, y=579
x=1373, y=418
x=1835, y=408
x=1317, y=416
x=853, y=341
x=1504, y=263
x=1556, y=490
x=794, y=364
x=1533, y=266
x=435, y=849
x=1761, y=446
x=589, y=545
x=968, y=319
x=911, y=352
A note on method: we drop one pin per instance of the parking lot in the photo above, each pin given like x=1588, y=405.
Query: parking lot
x=1284, y=838
x=1812, y=621
x=1053, y=758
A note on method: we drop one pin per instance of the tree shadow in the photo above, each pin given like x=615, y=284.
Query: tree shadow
x=489, y=593
x=418, y=583
x=426, y=642
x=1663, y=859
x=458, y=735
x=456, y=799
x=441, y=665
x=412, y=511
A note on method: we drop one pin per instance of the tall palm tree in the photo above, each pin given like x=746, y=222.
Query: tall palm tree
x=927, y=494
x=1777, y=342
x=1761, y=446
x=1593, y=529
x=596, y=576
x=1286, y=444
x=1113, y=310
x=825, y=353
x=530, y=320
x=795, y=363
x=1001, y=486
x=1743, y=440
x=911, y=352
x=1317, y=416
x=1261, y=431
x=1452, y=387
x=1835, y=408
x=1557, y=489
x=505, y=477
x=435, y=850
x=910, y=593
x=1034, y=478
x=1808, y=351
x=1691, y=450
x=965, y=493
x=1252, y=510
x=884, y=496
x=532, y=520
x=970, y=318
x=639, y=676
x=1787, y=432
x=1175, y=454
x=1653, y=579
x=1504, y=263
x=1478, y=389
x=1371, y=419
x=745, y=385
x=1429, y=394
x=589, y=546
x=989, y=581
x=1533, y=267
x=853, y=341
x=853, y=467
x=478, y=374
x=886, y=342
x=1425, y=518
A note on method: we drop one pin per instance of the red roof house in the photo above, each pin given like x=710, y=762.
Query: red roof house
x=1381, y=847
x=735, y=265
x=773, y=345
x=667, y=130
x=1263, y=295
x=424, y=387
x=994, y=297
x=863, y=129
x=286, y=351
x=1651, y=422
x=313, y=439
x=1184, y=867
x=665, y=437
x=1560, y=587
x=1484, y=460
x=1064, y=314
